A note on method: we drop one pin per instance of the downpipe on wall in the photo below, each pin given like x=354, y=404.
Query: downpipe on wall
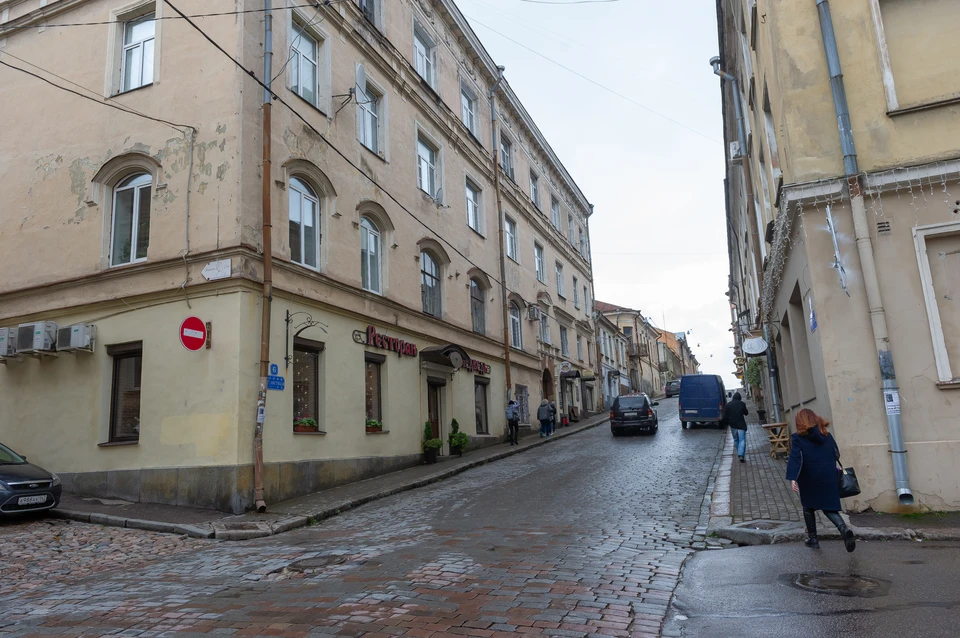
x=890, y=388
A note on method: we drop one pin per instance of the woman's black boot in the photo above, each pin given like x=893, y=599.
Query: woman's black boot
x=849, y=540
x=810, y=518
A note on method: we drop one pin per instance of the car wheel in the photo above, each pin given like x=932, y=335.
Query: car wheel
x=683, y=425
x=614, y=433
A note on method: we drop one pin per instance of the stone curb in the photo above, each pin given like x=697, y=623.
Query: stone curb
x=132, y=523
x=220, y=531
x=742, y=534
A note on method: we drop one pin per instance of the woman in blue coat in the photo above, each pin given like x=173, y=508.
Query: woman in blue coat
x=812, y=468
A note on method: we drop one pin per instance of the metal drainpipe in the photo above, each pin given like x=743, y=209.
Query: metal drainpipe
x=503, y=264
x=865, y=248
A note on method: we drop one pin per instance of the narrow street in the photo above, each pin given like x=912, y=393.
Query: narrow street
x=584, y=536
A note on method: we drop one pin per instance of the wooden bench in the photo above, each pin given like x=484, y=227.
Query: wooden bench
x=779, y=434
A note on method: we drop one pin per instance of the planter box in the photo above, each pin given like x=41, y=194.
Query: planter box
x=430, y=456
x=305, y=428
x=374, y=430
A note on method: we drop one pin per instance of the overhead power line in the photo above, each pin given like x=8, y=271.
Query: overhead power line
x=340, y=153
x=111, y=105
x=594, y=82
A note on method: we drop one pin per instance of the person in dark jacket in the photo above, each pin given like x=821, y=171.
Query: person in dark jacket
x=513, y=421
x=553, y=421
x=733, y=414
x=545, y=416
x=812, y=469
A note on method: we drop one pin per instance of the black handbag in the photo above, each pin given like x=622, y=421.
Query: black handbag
x=849, y=485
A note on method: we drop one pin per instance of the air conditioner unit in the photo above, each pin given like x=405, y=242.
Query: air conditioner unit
x=37, y=337
x=79, y=336
x=8, y=342
x=533, y=313
x=736, y=154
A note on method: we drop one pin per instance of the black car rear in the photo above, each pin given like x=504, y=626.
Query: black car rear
x=633, y=413
x=25, y=487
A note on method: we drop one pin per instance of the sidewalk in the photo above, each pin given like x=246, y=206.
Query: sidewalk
x=753, y=504
x=298, y=512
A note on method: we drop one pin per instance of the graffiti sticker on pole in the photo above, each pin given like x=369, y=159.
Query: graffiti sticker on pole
x=892, y=401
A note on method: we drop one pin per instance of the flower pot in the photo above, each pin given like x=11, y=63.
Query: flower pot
x=430, y=456
x=374, y=430
x=304, y=428
x=456, y=450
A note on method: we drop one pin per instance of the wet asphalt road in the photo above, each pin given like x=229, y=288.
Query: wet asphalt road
x=746, y=592
x=584, y=536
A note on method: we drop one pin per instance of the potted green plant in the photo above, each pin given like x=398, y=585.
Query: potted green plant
x=458, y=440
x=374, y=426
x=305, y=424
x=431, y=446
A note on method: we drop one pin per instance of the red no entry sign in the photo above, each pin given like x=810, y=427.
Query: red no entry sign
x=193, y=333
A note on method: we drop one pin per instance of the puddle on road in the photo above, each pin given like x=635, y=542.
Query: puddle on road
x=838, y=584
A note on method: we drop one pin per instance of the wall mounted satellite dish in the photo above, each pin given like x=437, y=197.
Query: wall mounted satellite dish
x=755, y=346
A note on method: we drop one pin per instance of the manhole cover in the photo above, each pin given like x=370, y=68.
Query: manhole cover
x=838, y=584
x=318, y=562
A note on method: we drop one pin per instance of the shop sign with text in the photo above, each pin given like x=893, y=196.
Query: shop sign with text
x=379, y=340
x=479, y=367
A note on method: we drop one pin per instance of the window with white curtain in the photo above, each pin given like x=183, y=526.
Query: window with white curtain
x=371, y=268
x=510, y=228
x=304, y=221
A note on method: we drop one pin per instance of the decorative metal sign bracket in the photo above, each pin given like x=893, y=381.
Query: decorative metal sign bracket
x=309, y=322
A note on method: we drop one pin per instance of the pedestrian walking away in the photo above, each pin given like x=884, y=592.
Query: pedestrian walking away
x=513, y=421
x=733, y=416
x=544, y=415
x=812, y=469
x=553, y=418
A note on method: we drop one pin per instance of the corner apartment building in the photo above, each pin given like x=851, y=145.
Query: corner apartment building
x=843, y=203
x=140, y=207
x=643, y=354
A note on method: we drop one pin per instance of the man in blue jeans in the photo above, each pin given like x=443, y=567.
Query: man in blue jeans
x=733, y=416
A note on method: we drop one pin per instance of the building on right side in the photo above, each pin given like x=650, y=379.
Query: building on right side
x=842, y=131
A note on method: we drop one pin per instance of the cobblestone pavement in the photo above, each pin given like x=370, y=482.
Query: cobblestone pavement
x=758, y=487
x=584, y=537
x=35, y=551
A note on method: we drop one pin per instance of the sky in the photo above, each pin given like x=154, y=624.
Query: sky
x=650, y=160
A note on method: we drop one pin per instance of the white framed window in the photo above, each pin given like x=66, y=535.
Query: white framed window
x=576, y=294
x=427, y=156
x=304, y=221
x=506, y=156
x=130, y=228
x=555, y=212
x=430, y=284
x=473, y=206
x=137, y=58
x=539, y=261
x=516, y=326
x=570, y=237
x=564, y=343
x=586, y=300
x=535, y=189
x=560, y=280
x=583, y=243
x=370, y=110
x=305, y=64
x=468, y=109
x=938, y=256
x=579, y=348
x=544, y=326
x=371, y=267
x=510, y=229
x=371, y=11
x=425, y=56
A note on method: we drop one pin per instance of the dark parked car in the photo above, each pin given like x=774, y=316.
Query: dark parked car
x=672, y=388
x=633, y=412
x=25, y=487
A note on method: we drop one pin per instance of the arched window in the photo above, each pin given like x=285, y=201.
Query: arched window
x=304, y=216
x=477, y=307
x=371, y=268
x=430, y=284
x=516, y=330
x=130, y=231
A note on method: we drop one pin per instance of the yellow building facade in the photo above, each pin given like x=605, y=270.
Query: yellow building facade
x=844, y=239
x=138, y=206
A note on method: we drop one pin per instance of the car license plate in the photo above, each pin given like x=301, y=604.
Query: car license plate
x=690, y=411
x=32, y=500
x=629, y=415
